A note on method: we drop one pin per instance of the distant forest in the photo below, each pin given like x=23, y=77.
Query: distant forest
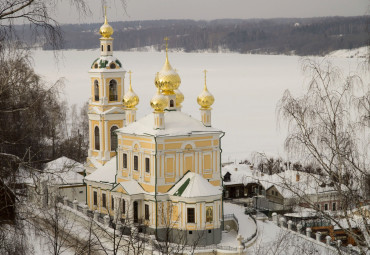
x=299, y=36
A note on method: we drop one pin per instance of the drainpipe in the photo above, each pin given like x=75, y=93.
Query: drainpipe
x=155, y=188
x=115, y=177
x=222, y=181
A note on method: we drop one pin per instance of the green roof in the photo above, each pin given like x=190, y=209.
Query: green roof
x=182, y=188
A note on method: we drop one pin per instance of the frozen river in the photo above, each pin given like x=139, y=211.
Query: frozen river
x=246, y=89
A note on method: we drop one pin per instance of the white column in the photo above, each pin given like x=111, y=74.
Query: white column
x=90, y=138
x=181, y=159
x=196, y=163
x=103, y=86
x=122, y=86
x=100, y=138
x=106, y=131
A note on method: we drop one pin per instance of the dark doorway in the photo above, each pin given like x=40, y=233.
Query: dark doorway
x=136, y=212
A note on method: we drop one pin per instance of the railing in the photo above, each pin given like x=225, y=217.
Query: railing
x=231, y=216
x=79, y=208
x=90, y=214
x=255, y=232
x=211, y=247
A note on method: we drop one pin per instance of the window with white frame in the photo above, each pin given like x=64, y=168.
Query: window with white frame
x=136, y=163
x=191, y=215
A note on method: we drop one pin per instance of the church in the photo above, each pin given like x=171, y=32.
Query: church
x=162, y=171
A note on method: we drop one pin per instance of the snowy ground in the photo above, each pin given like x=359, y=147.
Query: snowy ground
x=247, y=227
x=246, y=88
x=275, y=240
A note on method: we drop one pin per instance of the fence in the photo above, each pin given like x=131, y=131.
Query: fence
x=305, y=231
x=127, y=230
x=255, y=232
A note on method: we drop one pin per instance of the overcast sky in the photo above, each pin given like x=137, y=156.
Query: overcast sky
x=213, y=9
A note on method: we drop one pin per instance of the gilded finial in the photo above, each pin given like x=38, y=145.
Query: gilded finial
x=130, y=100
x=130, y=79
x=106, y=30
x=205, y=99
x=105, y=14
x=167, y=79
x=205, y=79
x=166, y=39
x=159, y=101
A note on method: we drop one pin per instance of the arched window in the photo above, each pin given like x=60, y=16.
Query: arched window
x=102, y=48
x=113, y=139
x=108, y=47
x=113, y=90
x=96, y=90
x=171, y=103
x=97, y=138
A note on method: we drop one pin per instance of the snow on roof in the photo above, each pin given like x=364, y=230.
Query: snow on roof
x=194, y=185
x=285, y=182
x=132, y=187
x=240, y=173
x=62, y=163
x=176, y=123
x=114, y=109
x=303, y=213
x=105, y=173
x=63, y=171
x=96, y=163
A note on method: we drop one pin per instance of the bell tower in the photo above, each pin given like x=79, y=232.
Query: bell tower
x=106, y=110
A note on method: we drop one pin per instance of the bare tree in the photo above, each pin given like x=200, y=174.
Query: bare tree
x=326, y=129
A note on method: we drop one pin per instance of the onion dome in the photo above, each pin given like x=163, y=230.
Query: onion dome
x=130, y=100
x=167, y=79
x=179, y=97
x=205, y=99
x=159, y=102
x=106, y=30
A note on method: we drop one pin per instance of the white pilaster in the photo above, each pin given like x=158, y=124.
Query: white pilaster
x=100, y=139
x=159, y=120
x=106, y=131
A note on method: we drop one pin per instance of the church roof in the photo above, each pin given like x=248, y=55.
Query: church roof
x=176, y=123
x=131, y=187
x=105, y=173
x=194, y=185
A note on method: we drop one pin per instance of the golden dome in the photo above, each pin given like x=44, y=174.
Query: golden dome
x=205, y=99
x=106, y=30
x=130, y=100
x=159, y=102
x=167, y=79
x=179, y=97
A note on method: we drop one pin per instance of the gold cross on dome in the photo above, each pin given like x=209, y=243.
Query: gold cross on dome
x=166, y=39
x=205, y=77
x=130, y=76
x=105, y=13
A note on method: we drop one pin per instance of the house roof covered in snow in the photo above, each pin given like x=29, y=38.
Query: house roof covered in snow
x=285, y=182
x=194, y=185
x=63, y=171
x=176, y=123
x=105, y=173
